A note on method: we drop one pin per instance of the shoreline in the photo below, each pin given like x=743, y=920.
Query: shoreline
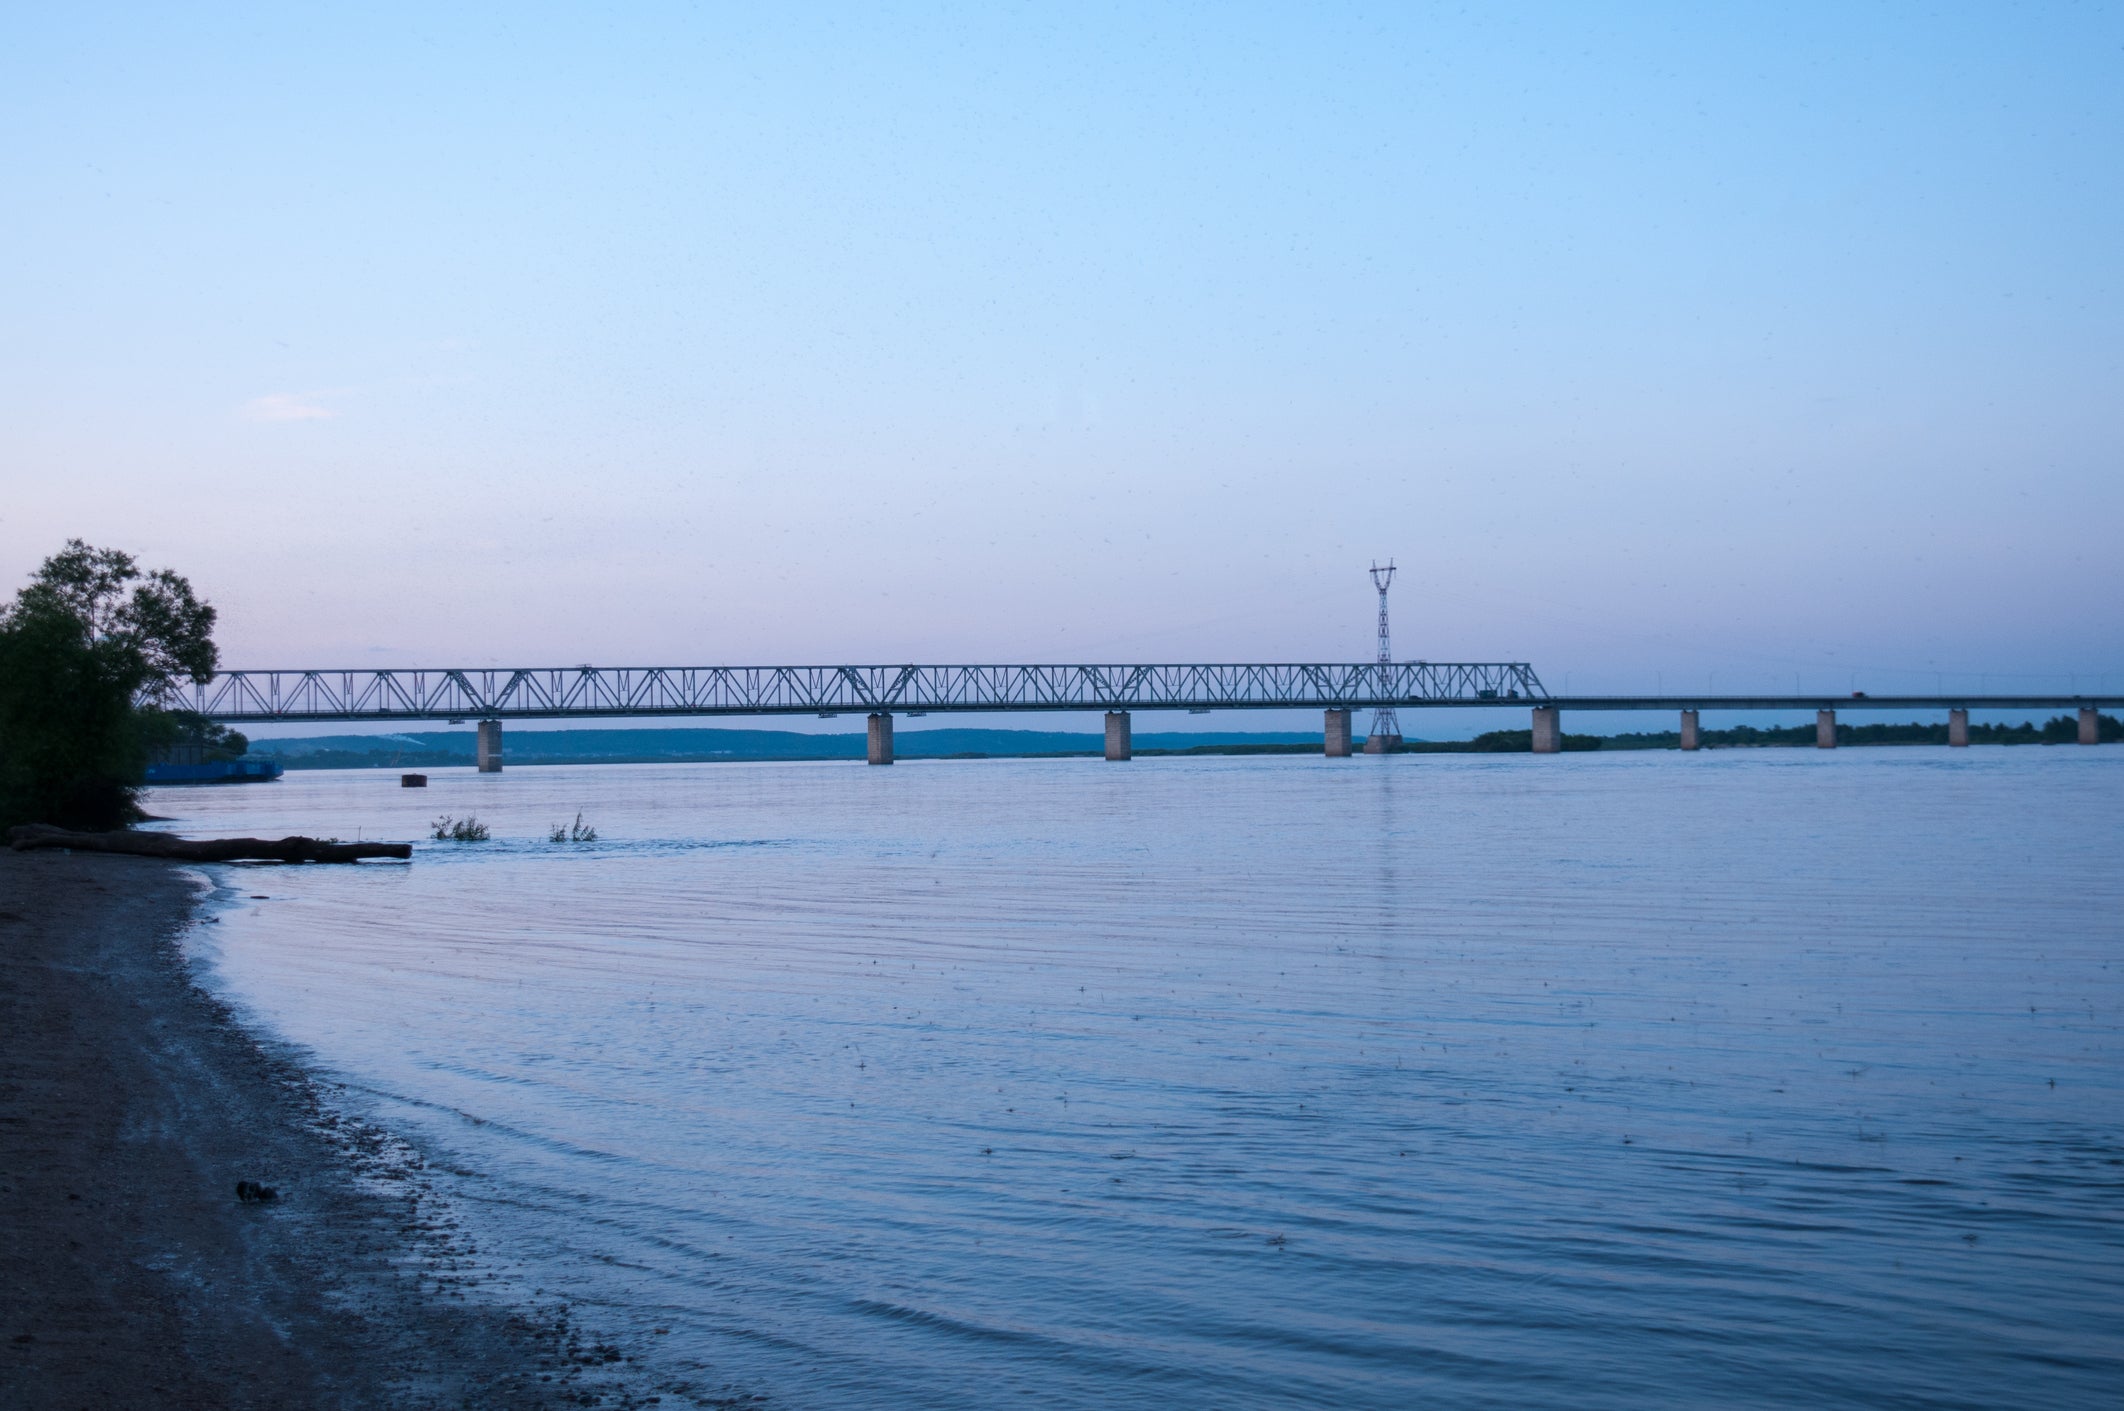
x=131, y=1103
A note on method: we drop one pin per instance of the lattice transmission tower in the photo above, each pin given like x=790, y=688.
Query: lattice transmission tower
x=1386, y=727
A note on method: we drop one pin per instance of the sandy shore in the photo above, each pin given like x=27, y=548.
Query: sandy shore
x=130, y=1274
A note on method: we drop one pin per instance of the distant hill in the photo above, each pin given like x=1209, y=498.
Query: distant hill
x=443, y=748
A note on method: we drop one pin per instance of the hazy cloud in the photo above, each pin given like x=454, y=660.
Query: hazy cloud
x=287, y=406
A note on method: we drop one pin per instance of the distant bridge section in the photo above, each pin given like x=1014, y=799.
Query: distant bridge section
x=546, y=693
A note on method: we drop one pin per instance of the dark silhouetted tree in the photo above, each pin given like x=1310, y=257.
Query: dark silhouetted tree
x=87, y=650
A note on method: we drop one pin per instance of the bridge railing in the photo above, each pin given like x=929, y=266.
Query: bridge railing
x=550, y=692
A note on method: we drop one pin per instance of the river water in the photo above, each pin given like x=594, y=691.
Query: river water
x=1744, y=1078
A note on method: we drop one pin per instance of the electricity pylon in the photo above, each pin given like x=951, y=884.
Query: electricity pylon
x=1386, y=727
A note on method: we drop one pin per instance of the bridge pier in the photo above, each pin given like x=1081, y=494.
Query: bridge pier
x=1548, y=730
x=1688, y=731
x=880, y=738
x=1118, y=739
x=1958, y=728
x=1825, y=729
x=1338, y=733
x=2090, y=726
x=489, y=747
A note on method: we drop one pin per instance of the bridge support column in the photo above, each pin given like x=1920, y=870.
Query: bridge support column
x=1119, y=744
x=1548, y=730
x=1825, y=729
x=1338, y=733
x=1688, y=731
x=1958, y=728
x=881, y=738
x=490, y=747
x=2090, y=726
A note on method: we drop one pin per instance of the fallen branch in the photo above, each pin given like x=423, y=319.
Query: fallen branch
x=41, y=835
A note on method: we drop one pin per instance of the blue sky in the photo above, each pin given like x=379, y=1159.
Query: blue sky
x=1656, y=342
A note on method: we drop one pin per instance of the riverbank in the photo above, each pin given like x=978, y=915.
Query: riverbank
x=131, y=1105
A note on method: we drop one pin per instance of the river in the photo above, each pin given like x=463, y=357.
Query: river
x=1770, y=1078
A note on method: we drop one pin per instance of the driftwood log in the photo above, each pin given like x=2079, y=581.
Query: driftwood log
x=41, y=835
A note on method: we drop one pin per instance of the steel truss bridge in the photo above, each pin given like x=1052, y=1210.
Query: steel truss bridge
x=562, y=692
x=579, y=691
x=882, y=692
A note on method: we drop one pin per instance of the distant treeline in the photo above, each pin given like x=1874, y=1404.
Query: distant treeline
x=444, y=749
x=1500, y=742
x=2059, y=730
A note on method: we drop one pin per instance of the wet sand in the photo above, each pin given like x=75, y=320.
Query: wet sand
x=131, y=1105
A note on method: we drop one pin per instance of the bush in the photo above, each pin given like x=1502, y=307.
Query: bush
x=460, y=830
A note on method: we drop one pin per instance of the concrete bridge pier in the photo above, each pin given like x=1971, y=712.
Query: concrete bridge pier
x=1548, y=730
x=1688, y=731
x=2090, y=726
x=880, y=737
x=1825, y=729
x=490, y=747
x=1119, y=744
x=1338, y=733
x=1958, y=728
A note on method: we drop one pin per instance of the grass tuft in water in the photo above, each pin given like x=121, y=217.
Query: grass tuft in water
x=576, y=832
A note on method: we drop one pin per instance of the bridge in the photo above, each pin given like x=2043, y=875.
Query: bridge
x=491, y=696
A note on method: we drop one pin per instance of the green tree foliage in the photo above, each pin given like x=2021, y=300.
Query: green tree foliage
x=86, y=650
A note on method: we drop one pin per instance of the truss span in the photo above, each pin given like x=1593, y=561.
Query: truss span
x=559, y=692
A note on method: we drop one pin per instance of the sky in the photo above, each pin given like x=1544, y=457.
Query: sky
x=1661, y=346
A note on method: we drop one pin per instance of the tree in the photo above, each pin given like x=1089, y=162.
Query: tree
x=88, y=650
